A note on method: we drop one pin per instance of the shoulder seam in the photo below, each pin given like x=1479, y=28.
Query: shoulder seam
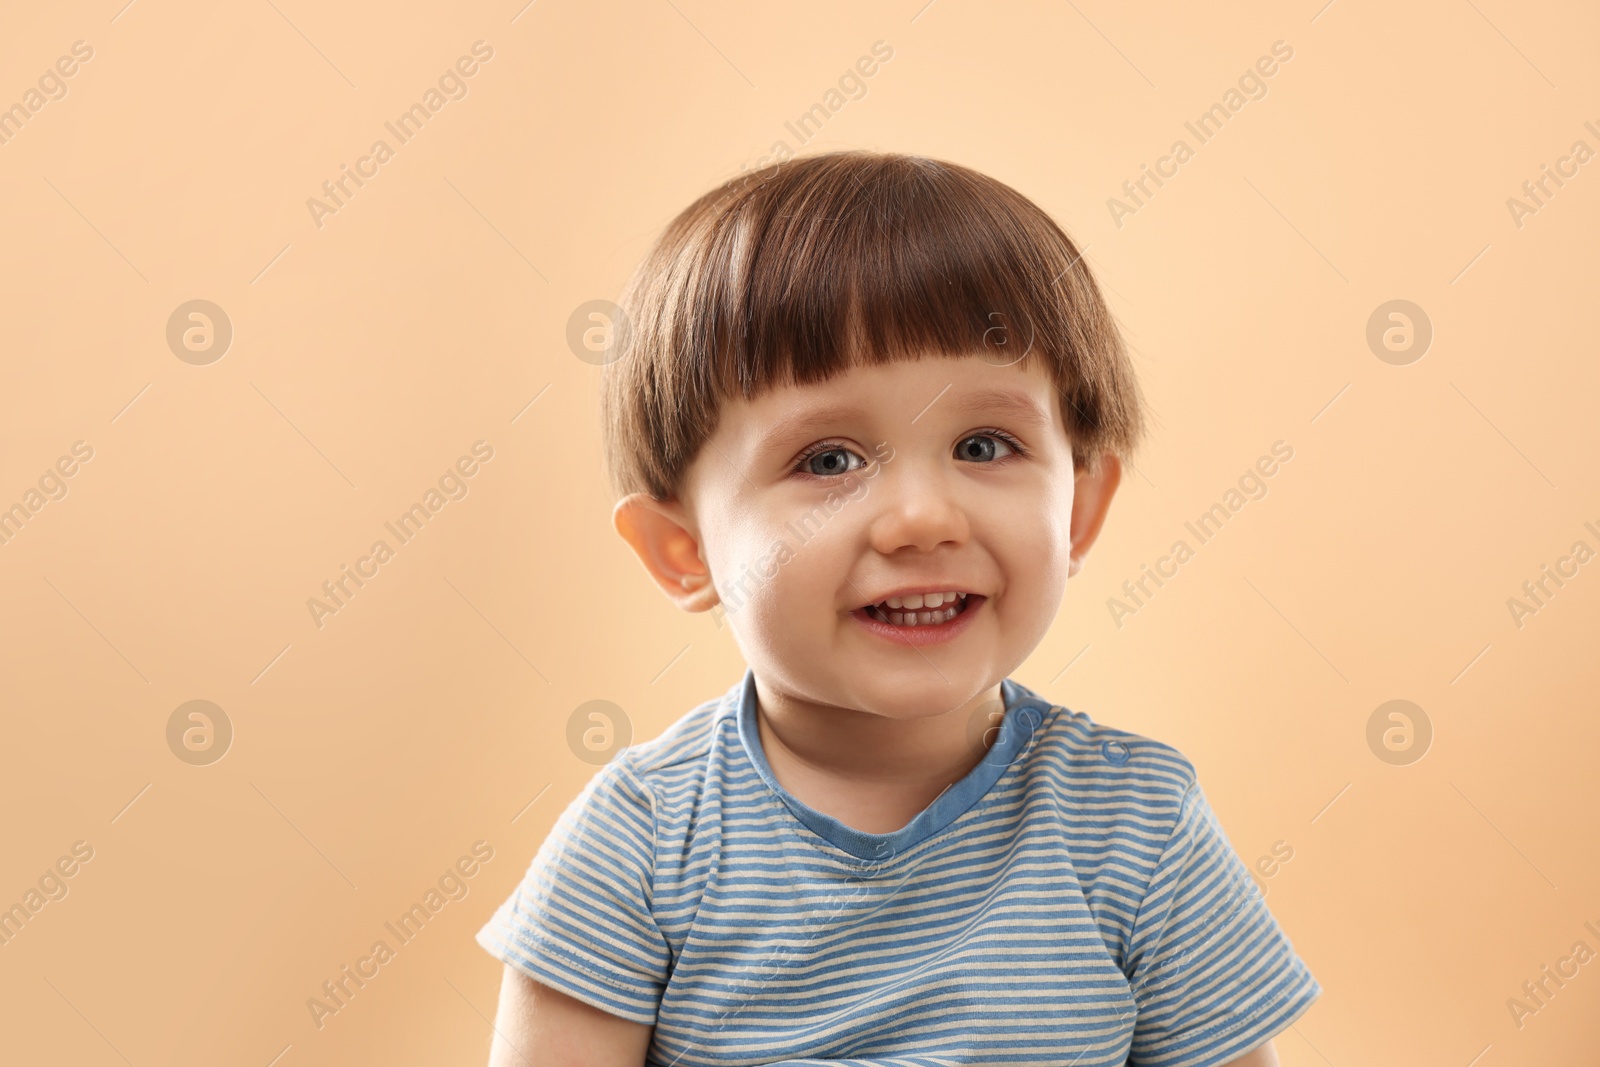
x=655, y=836
x=660, y=762
x=699, y=751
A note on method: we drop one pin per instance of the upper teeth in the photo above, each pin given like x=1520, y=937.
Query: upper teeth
x=925, y=600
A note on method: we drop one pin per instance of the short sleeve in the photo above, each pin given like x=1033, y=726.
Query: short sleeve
x=580, y=921
x=1213, y=975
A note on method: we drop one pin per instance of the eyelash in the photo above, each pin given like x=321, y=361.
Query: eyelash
x=834, y=446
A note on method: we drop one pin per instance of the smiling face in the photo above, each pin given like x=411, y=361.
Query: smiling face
x=811, y=503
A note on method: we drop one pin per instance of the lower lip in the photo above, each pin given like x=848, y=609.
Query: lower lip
x=918, y=636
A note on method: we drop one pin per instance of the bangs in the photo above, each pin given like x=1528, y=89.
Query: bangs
x=802, y=270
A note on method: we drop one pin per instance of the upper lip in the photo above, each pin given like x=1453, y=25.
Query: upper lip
x=919, y=590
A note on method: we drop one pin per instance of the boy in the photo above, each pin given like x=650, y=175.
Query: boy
x=873, y=408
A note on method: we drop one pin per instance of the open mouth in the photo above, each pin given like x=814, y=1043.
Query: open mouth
x=928, y=610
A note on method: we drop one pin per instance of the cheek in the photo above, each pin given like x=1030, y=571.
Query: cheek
x=1036, y=556
x=753, y=565
x=1034, y=547
x=774, y=568
x=799, y=568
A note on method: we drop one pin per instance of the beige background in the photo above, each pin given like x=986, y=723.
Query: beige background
x=372, y=351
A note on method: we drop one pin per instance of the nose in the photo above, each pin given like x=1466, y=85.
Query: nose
x=918, y=507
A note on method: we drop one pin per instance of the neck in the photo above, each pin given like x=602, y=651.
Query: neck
x=867, y=748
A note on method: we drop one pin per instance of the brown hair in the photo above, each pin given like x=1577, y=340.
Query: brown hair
x=802, y=269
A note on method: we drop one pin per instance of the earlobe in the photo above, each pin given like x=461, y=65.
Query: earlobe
x=1091, y=501
x=660, y=534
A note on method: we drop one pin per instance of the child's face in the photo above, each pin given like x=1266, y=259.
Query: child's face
x=911, y=483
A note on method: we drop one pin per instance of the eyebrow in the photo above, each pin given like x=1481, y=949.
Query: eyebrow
x=1004, y=403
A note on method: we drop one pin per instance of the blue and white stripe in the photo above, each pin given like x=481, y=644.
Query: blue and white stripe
x=1072, y=900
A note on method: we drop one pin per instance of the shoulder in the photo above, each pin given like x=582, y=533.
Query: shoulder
x=1116, y=773
x=653, y=769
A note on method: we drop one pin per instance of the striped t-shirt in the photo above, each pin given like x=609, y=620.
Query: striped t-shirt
x=1071, y=901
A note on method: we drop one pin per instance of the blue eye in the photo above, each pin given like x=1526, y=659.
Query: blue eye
x=986, y=441
x=835, y=459
x=829, y=459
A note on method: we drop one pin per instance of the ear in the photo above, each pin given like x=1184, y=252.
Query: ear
x=660, y=532
x=1091, y=500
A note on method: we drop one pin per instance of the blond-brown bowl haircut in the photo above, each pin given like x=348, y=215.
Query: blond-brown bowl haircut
x=802, y=269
